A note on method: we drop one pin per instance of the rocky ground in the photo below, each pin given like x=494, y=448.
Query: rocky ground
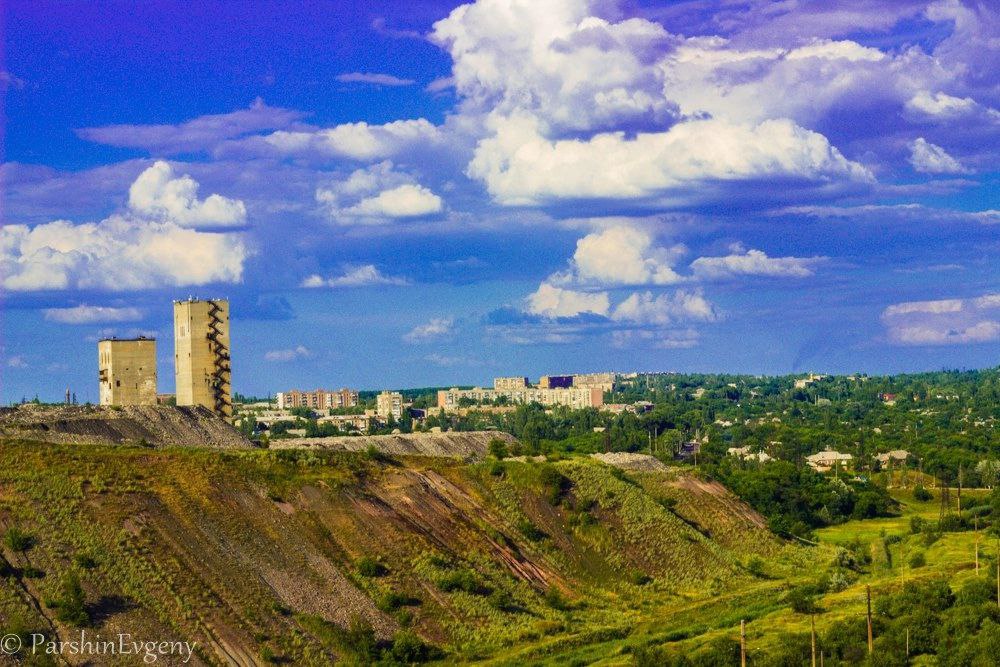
x=149, y=425
x=630, y=461
x=465, y=445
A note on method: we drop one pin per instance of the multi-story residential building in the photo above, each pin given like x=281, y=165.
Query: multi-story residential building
x=573, y=397
x=321, y=399
x=555, y=382
x=202, y=368
x=389, y=403
x=127, y=371
x=603, y=381
x=519, y=382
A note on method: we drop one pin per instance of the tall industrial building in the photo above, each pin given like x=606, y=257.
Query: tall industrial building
x=202, y=367
x=127, y=371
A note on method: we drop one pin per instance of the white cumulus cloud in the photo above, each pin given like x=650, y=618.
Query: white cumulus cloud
x=940, y=104
x=743, y=262
x=357, y=141
x=621, y=255
x=929, y=158
x=601, y=107
x=376, y=195
x=551, y=301
x=117, y=253
x=158, y=194
x=521, y=167
x=682, y=305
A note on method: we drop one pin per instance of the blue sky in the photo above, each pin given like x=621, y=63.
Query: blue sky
x=426, y=193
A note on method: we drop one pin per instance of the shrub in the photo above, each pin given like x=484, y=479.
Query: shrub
x=950, y=523
x=17, y=539
x=460, y=580
x=837, y=581
x=918, y=559
x=497, y=469
x=498, y=449
x=922, y=494
x=369, y=567
x=32, y=572
x=554, y=483
x=408, y=648
x=72, y=607
x=392, y=601
x=802, y=600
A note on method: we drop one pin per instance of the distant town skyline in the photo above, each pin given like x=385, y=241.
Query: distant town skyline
x=436, y=193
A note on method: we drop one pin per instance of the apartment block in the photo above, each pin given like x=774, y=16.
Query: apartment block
x=320, y=399
x=572, y=397
x=602, y=381
x=127, y=371
x=510, y=383
x=389, y=403
x=202, y=367
x=555, y=382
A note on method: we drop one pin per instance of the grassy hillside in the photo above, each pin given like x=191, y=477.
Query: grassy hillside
x=308, y=557
x=305, y=557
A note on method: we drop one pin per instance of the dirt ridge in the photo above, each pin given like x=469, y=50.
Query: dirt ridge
x=150, y=425
x=466, y=445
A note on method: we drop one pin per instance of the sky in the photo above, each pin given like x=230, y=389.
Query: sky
x=406, y=194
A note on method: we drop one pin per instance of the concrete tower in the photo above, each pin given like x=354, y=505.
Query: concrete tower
x=201, y=355
x=127, y=371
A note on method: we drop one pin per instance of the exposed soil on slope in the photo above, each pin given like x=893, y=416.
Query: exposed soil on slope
x=630, y=461
x=150, y=425
x=466, y=445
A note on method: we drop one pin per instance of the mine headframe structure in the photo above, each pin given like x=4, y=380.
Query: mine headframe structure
x=222, y=369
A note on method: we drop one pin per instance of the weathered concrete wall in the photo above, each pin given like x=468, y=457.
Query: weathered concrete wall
x=468, y=445
x=154, y=425
x=127, y=371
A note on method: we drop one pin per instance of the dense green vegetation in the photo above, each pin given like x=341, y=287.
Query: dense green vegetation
x=797, y=499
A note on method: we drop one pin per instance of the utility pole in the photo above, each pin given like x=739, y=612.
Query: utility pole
x=743, y=643
x=812, y=621
x=868, y=593
x=907, y=642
